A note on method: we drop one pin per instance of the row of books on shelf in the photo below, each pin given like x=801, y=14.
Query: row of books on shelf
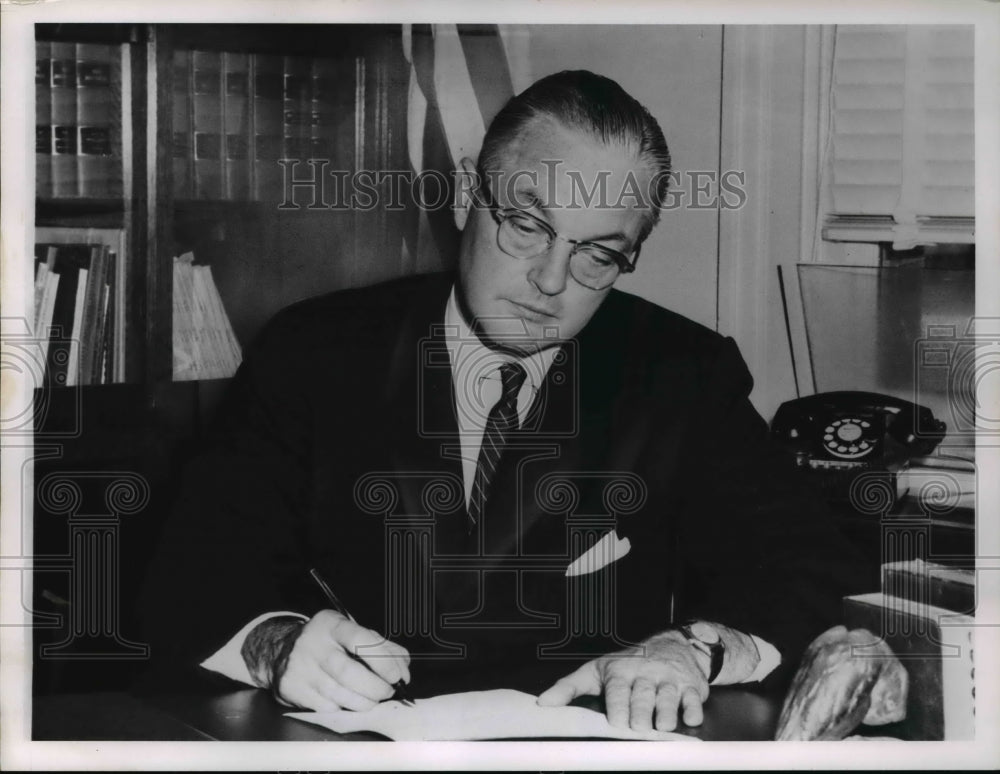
x=79, y=311
x=204, y=343
x=925, y=612
x=79, y=305
x=78, y=119
x=236, y=114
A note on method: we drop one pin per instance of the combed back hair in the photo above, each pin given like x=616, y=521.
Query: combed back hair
x=592, y=104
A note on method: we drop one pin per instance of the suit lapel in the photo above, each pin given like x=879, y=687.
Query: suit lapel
x=567, y=429
x=518, y=521
x=584, y=423
x=420, y=396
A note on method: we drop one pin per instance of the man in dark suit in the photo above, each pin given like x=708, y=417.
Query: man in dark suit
x=516, y=477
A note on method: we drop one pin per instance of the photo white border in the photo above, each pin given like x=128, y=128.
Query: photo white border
x=16, y=222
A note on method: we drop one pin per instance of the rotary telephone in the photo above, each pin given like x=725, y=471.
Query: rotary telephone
x=835, y=435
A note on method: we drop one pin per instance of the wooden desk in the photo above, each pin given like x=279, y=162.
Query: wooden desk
x=731, y=714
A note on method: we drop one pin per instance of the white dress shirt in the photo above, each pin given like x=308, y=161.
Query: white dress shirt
x=475, y=372
x=476, y=377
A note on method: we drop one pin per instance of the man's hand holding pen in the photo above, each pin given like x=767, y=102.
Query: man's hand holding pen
x=337, y=664
x=333, y=663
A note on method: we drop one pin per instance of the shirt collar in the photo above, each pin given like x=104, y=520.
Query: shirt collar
x=465, y=349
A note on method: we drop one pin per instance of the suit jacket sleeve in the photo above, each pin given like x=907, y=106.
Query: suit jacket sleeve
x=231, y=548
x=758, y=552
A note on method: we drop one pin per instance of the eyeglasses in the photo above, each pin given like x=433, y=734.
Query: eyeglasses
x=522, y=235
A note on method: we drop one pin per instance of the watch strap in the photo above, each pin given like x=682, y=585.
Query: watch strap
x=716, y=651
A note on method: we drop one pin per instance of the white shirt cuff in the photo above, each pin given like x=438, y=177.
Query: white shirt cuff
x=228, y=660
x=770, y=658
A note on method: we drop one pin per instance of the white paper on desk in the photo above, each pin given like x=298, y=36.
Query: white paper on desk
x=498, y=714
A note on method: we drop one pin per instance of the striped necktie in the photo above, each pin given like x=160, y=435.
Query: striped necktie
x=501, y=422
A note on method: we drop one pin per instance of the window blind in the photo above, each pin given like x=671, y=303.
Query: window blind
x=902, y=141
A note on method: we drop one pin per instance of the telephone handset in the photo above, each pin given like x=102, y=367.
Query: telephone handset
x=849, y=431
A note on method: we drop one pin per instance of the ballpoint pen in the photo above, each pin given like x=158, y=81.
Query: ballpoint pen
x=402, y=695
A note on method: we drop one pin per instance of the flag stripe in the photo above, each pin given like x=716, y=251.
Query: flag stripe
x=422, y=48
x=460, y=117
x=444, y=235
x=488, y=68
x=460, y=77
x=437, y=202
x=415, y=119
x=517, y=49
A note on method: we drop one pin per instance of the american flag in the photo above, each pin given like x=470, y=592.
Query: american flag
x=460, y=77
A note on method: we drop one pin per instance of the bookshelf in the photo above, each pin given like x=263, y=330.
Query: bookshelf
x=203, y=114
x=262, y=256
x=84, y=98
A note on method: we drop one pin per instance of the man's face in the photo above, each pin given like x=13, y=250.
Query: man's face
x=526, y=304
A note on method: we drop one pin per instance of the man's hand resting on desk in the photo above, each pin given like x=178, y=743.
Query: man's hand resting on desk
x=663, y=677
x=311, y=665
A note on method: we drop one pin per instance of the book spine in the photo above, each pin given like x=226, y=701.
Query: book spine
x=267, y=125
x=104, y=343
x=43, y=119
x=236, y=125
x=296, y=106
x=64, y=134
x=46, y=309
x=207, y=118
x=41, y=272
x=70, y=259
x=45, y=256
x=113, y=241
x=90, y=330
x=182, y=129
x=120, y=281
x=112, y=362
x=98, y=101
x=322, y=111
x=76, y=336
x=97, y=299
